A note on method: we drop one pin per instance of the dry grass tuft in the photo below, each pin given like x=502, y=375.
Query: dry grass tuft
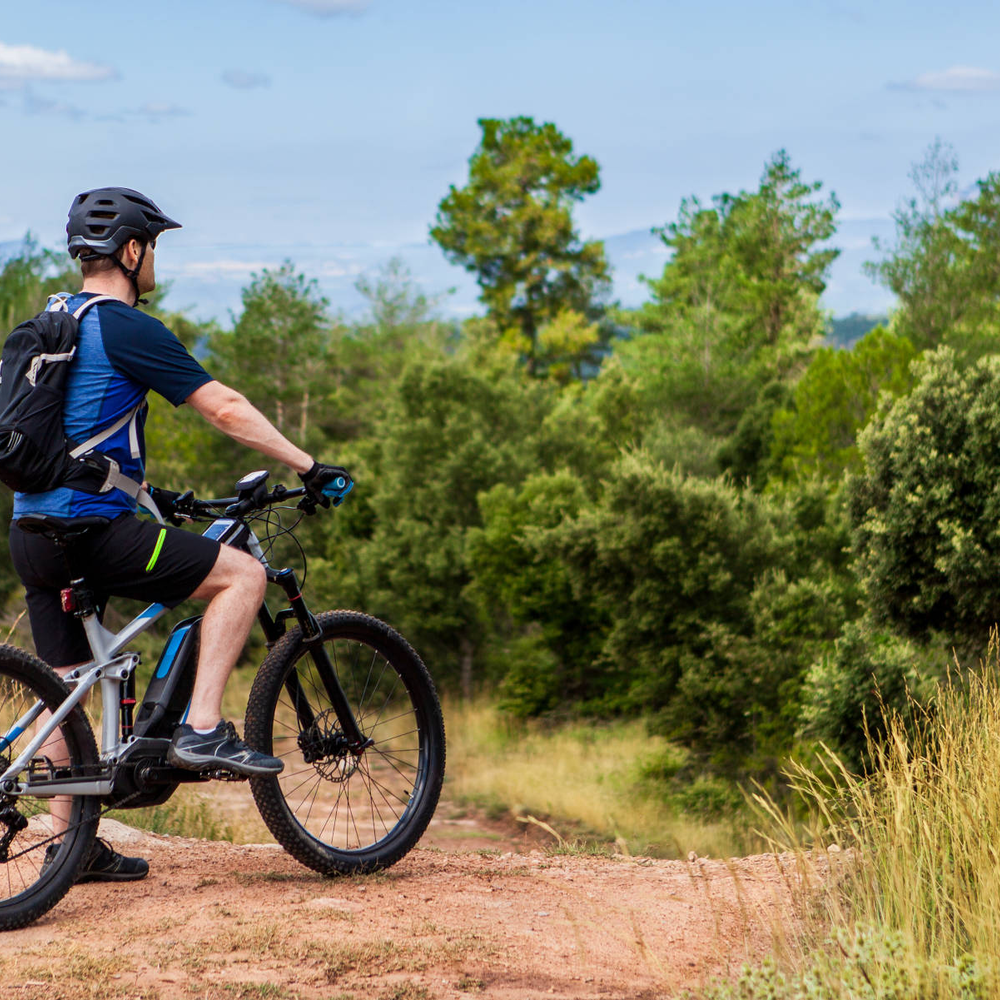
x=900, y=870
x=586, y=778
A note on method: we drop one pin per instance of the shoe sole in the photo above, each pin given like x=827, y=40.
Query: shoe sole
x=201, y=762
x=111, y=877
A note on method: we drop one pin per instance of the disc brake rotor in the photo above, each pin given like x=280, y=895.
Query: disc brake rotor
x=325, y=747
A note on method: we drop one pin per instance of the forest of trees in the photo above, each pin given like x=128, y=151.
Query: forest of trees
x=695, y=511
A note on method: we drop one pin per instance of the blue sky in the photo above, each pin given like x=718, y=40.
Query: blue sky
x=328, y=130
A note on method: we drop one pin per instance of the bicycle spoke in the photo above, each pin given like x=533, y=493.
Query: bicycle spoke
x=338, y=810
x=397, y=770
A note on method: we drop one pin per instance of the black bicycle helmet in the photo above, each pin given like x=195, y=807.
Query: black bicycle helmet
x=103, y=220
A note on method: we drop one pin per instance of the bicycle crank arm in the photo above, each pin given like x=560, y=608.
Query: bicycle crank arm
x=167, y=775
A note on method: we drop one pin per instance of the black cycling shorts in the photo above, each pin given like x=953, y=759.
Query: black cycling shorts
x=129, y=558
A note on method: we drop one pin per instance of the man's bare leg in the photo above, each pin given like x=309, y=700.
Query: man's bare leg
x=235, y=590
x=61, y=806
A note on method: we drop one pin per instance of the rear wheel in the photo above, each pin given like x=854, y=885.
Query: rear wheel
x=36, y=869
x=332, y=809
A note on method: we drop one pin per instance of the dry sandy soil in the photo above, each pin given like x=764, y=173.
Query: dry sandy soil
x=476, y=910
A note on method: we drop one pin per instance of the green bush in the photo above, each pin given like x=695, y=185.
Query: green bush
x=670, y=563
x=867, y=675
x=869, y=962
x=926, y=510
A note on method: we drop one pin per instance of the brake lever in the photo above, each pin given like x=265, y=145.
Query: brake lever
x=307, y=505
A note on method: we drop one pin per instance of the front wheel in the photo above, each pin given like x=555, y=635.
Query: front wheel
x=333, y=809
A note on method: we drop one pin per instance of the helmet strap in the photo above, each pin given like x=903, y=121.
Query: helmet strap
x=133, y=274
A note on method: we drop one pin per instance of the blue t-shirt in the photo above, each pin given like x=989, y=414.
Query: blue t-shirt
x=121, y=353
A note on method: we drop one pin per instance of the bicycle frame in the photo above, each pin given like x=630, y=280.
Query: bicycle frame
x=111, y=668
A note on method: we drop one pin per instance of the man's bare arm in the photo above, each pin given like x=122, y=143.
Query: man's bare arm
x=232, y=413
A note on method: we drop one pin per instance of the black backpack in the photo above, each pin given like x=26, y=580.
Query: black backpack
x=35, y=454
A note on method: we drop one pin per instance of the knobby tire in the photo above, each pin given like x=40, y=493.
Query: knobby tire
x=334, y=811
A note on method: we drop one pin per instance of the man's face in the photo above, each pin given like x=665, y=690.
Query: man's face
x=147, y=277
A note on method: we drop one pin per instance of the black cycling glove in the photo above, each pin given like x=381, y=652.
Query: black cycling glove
x=167, y=503
x=326, y=483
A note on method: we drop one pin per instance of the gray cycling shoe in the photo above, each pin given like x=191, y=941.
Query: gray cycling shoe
x=103, y=864
x=221, y=748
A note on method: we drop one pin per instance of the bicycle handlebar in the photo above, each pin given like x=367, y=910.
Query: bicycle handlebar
x=190, y=506
x=255, y=497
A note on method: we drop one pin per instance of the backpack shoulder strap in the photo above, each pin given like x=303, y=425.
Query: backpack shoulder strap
x=57, y=303
x=96, y=300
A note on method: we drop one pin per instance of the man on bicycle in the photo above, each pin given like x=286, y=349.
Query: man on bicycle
x=121, y=354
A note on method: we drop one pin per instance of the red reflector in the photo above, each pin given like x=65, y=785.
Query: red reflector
x=68, y=601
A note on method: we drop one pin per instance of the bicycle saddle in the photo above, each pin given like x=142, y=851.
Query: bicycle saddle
x=60, y=529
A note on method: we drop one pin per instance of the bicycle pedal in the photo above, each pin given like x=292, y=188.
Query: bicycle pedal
x=221, y=774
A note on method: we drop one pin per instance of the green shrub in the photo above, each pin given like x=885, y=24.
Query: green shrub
x=926, y=510
x=870, y=962
x=868, y=674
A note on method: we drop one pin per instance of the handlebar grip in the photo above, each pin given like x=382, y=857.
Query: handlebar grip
x=337, y=489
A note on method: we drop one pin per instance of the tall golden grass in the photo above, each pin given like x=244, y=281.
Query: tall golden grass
x=913, y=907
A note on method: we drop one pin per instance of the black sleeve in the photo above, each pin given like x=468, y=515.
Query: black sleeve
x=143, y=349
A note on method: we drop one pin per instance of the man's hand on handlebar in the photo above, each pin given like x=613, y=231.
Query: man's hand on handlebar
x=327, y=482
x=172, y=506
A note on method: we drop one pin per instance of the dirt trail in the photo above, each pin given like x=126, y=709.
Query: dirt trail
x=472, y=912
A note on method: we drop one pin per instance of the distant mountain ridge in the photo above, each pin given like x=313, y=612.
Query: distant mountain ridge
x=846, y=331
x=207, y=281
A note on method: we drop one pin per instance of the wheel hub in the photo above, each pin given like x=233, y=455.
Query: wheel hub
x=325, y=747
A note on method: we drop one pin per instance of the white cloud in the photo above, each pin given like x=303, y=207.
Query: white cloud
x=956, y=79
x=157, y=110
x=25, y=62
x=329, y=8
x=243, y=79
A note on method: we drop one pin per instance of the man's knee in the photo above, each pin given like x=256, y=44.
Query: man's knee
x=237, y=569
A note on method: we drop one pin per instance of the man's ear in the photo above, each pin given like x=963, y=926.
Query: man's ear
x=131, y=253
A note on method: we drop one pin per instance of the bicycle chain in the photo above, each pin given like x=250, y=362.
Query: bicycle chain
x=14, y=829
x=12, y=832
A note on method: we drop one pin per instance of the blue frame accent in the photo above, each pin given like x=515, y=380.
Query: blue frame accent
x=10, y=737
x=170, y=653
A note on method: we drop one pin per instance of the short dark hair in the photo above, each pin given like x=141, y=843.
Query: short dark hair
x=103, y=263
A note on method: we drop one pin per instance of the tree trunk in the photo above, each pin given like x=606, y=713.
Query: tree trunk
x=465, y=668
x=303, y=423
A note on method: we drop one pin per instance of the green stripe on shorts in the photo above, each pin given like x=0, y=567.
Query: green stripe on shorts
x=156, y=550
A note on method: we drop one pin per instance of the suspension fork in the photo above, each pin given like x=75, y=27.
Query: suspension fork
x=312, y=639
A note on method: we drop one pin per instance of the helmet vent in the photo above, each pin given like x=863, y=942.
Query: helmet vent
x=102, y=220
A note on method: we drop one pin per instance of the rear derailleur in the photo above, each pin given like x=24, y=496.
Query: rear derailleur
x=14, y=822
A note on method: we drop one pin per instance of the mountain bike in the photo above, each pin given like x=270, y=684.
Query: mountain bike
x=341, y=698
